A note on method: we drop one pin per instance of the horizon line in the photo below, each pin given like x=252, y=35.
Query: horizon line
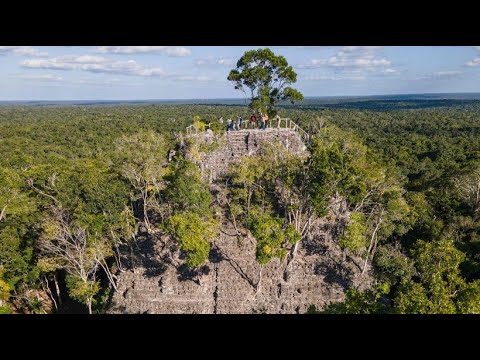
x=243, y=99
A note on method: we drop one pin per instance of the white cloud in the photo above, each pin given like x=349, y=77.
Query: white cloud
x=319, y=78
x=39, y=77
x=361, y=48
x=447, y=73
x=83, y=59
x=107, y=82
x=351, y=57
x=50, y=78
x=96, y=64
x=100, y=64
x=175, y=51
x=441, y=75
x=211, y=61
x=22, y=50
x=474, y=62
x=334, y=78
x=190, y=78
x=390, y=71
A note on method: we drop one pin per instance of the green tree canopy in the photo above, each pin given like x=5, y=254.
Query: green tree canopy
x=268, y=77
x=438, y=287
x=186, y=191
x=193, y=234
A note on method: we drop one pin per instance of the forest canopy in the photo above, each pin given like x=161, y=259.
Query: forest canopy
x=82, y=182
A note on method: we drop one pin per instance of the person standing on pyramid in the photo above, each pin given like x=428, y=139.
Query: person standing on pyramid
x=253, y=119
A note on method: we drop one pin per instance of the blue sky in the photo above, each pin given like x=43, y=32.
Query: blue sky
x=200, y=72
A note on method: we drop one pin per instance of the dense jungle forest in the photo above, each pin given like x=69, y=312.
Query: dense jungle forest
x=77, y=183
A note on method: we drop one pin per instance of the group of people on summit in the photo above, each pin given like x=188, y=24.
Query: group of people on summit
x=260, y=122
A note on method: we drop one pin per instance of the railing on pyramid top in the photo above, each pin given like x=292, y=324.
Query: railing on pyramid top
x=282, y=123
x=287, y=123
x=191, y=130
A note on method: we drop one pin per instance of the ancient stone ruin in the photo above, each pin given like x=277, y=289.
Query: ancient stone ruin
x=238, y=144
x=233, y=281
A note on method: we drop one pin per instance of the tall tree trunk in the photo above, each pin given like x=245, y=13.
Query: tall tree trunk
x=235, y=225
x=110, y=276
x=57, y=288
x=374, y=247
x=250, y=192
x=259, y=283
x=2, y=213
x=234, y=220
x=49, y=292
x=145, y=212
x=372, y=243
x=293, y=253
x=118, y=258
x=89, y=304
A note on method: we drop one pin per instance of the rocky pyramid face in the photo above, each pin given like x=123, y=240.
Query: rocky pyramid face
x=235, y=145
x=232, y=280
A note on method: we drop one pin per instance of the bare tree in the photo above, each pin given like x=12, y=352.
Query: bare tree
x=144, y=165
x=374, y=238
x=66, y=246
x=468, y=187
x=2, y=213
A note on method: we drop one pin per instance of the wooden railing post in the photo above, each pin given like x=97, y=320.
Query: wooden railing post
x=289, y=124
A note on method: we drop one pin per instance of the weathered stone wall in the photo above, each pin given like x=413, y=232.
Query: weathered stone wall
x=229, y=283
x=237, y=144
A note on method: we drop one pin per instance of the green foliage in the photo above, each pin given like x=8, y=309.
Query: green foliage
x=268, y=77
x=198, y=124
x=467, y=232
x=438, y=260
x=17, y=215
x=291, y=234
x=87, y=157
x=270, y=235
x=292, y=187
x=145, y=151
x=427, y=147
x=249, y=171
x=468, y=301
x=191, y=222
x=357, y=302
x=142, y=162
x=216, y=126
x=425, y=225
x=16, y=254
x=13, y=201
x=339, y=166
x=193, y=234
x=201, y=123
x=102, y=299
x=185, y=189
x=354, y=238
x=413, y=299
x=4, y=288
x=392, y=265
x=81, y=290
x=439, y=289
